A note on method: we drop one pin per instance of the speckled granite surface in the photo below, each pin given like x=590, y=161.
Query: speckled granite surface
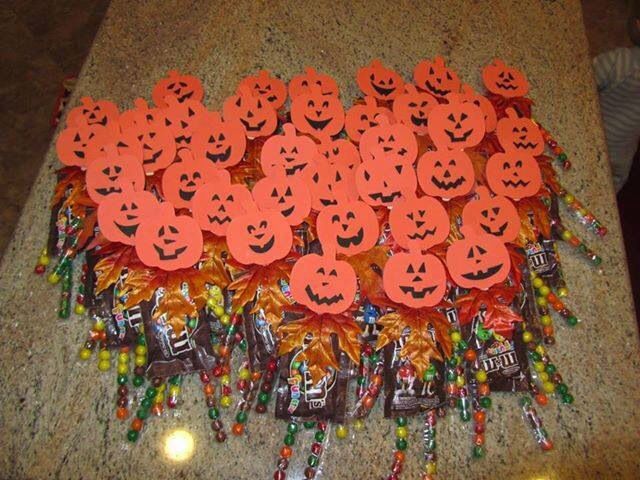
x=56, y=415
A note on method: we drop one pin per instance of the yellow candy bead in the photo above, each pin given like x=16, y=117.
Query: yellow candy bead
x=211, y=303
x=98, y=326
x=225, y=320
x=544, y=290
x=563, y=292
x=123, y=368
x=358, y=424
x=566, y=235
x=53, y=278
x=481, y=376
x=569, y=198
x=215, y=291
x=538, y=282
x=455, y=336
x=218, y=311
x=538, y=366
x=159, y=398
x=548, y=387
x=401, y=432
x=79, y=309
x=140, y=361
x=582, y=211
x=527, y=337
x=342, y=431
x=244, y=374
x=545, y=320
x=104, y=365
x=544, y=376
x=174, y=390
x=460, y=381
x=104, y=355
x=431, y=468
x=225, y=379
x=541, y=301
x=225, y=401
x=240, y=310
x=123, y=357
x=141, y=350
x=540, y=349
x=85, y=354
x=44, y=260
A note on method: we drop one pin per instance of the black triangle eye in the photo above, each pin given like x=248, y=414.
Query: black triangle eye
x=288, y=192
x=422, y=268
x=274, y=193
x=367, y=176
x=399, y=168
x=411, y=269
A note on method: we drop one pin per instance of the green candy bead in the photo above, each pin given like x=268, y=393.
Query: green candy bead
x=535, y=356
x=401, y=444
x=146, y=403
x=361, y=380
x=243, y=345
x=213, y=413
x=550, y=368
x=485, y=402
x=138, y=380
x=562, y=157
x=562, y=389
x=478, y=451
x=141, y=340
x=567, y=398
x=263, y=397
x=451, y=375
x=525, y=402
x=132, y=435
x=312, y=461
x=465, y=415
x=289, y=440
x=122, y=379
x=572, y=321
x=319, y=436
x=241, y=417
x=143, y=413
x=192, y=323
x=292, y=428
x=462, y=345
x=309, y=425
x=401, y=421
x=375, y=357
x=175, y=380
x=597, y=260
x=151, y=392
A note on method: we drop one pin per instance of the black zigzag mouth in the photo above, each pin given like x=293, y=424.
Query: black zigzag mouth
x=218, y=220
x=318, y=300
x=153, y=158
x=169, y=256
x=447, y=185
x=437, y=91
x=516, y=184
x=355, y=240
x=265, y=247
x=384, y=198
x=382, y=90
x=108, y=191
x=422, y=236
x=483, y=274
x=128, y=230
x=506, y=86
x=524, y=146
x=318, y=124
x=417, y=294
x=498, y=233
x=462, y=138
x=183, y=139
x=220, y=157
x=253, y=128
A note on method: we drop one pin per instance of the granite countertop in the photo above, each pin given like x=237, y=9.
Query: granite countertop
x=57, y=415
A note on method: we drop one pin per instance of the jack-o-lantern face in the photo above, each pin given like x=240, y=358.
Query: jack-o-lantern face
x=323, y=284
x=182, y=119
x=110, y=171
x=120, y=214
x=494, y=215
x=419, y=223
x=221, y=142
x=288, y=195
x=351, y=227
x=287, y=154
x=181, y=180
x=259, y=238
x=317, y=113
x=456, y=125
x=479, y=260
x=382, y=182
x=435, y=78
x=340, y=152
x=301, y=83
x=504, y=80
x=216, y=203
x=391, y=143
x=167, y=241
x=258, y=117
x=414, y=279
x=362, y=116
x=158, y=146
x=469, y=95
x=379, y=81
x=445, y=173
x=412, y=109
x=514, y=174
x=520, y=134
x=267, y=87
x=95, y=112
x=328, y=183
x=77, y=145
x=178, y=86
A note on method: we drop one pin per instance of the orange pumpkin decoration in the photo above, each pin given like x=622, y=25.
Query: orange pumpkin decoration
x=110, y=172
x=288, y=195
x=259, y=237
x=469, y=95
x=418, y=223
x=391, y=143
x=317, y=113
x=478, y=260
x=501, y=79
x=414, y=279
x=288, y=154
x=140, y=113
x=78, y=145
x=514, y=174
x=379, y=81
x=323, y=284
x=120, y=214
x=434, y=77
x=95, y=112
x=301, y=83
x=179, y=86
x=494, y=215
x=267, y=87
x=348, y=227
x=167, y=241
x=257, y=116
x=412, y=108
x=362, y=116
x=382, y=183
x=340, y=152
x=183, y=119
x=456, y=125
x=330, y=183
x=445, y=173
x=521, y=134
x=221, y=142
x=216, y=203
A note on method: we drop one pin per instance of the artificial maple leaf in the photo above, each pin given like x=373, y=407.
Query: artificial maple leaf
x=549, y=177
x=153, y=183
x=174, y=306
x=212, y=262
x=68, y=178
x=501, y=318
x=522, y=105
x=517, y=263
x=115, y=259
x=248, y=171
x=496, y=302
x=368, y=267
x=454, y=208
x=534, y=214
x=479, y=163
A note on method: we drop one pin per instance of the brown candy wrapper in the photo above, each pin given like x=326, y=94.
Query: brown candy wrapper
x=90, y=278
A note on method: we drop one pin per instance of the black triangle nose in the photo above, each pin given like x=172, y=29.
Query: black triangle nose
x=419, y=223
x=417, y=278
x=250, y=114
x=447, y=174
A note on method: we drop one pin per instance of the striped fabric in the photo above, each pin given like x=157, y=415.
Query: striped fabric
x=618, y=78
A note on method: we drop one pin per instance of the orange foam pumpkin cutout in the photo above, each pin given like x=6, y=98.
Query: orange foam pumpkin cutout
x=216, y=203
x=478, y=260
x=382, y=183
x=179, y=86
x=288, y=154
x=392, y=143
x=120, y=214
x=328, y=183
x=182, y=119
x=286, y=194
x=95, y=112
x=434, y=77
x=140, y=113
x=221, y=142
x=168, y=241
x=79, y=144
x=317, y=113
x=412, y=108
x=469, y=95
x=494, y=215
x=501, y=79
x=362, y=116
x=181, y=180
x=446, y=173
x=418, y=223
x=257, y=116
x=267, y=87
x=349, y=228
x=323, y=284
x=456, y=125
x=340, y=152
x=379, y=81
x=259, y=237
x=522, y=134
x=414, y=279
x=301, y=83
x=514, y=174
x=110, y=172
